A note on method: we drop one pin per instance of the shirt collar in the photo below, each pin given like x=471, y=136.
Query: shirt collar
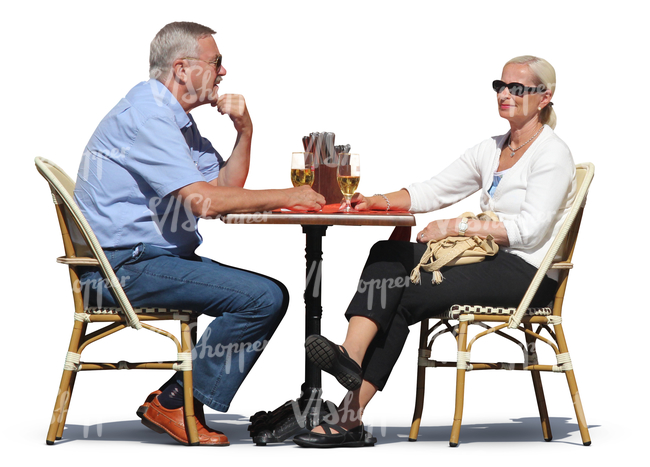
x=163, y=96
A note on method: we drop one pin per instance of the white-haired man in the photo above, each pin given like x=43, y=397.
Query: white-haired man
x=145, y=178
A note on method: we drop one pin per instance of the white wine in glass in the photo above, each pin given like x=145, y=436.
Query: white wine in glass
x=302, y=168
x=348, y=175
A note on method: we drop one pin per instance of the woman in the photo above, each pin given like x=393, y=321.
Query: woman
x=527, y=177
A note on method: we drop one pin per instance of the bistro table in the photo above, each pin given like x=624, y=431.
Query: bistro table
x=306, y=412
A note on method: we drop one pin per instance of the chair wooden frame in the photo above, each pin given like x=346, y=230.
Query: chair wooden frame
x=522, y=318
x=81, y=250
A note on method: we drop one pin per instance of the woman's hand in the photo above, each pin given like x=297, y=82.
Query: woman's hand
x=359, y=202
x=396, y=201
x=437, y=230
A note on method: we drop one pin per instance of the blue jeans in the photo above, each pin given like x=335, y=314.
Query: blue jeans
x=247, y=308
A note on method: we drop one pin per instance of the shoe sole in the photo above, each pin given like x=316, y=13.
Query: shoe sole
x=367, y=441
x=158, y=429
x=349, y=444
x=141, y=411
x=321, y=354
x=143, y=408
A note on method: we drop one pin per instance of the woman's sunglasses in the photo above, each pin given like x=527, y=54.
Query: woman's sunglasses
x=516, y=89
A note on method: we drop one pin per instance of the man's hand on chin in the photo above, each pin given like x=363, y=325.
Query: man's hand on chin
x=234, y=106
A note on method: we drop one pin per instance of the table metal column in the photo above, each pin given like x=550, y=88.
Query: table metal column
x=311, y=389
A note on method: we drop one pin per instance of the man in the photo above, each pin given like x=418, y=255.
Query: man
x=145, y=178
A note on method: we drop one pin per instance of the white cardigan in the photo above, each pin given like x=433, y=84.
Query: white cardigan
x=532, y=199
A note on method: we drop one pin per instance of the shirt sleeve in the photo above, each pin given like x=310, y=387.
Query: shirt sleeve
x=456, y=182
x=210, y=161
x=160, y=155
x=549, y=189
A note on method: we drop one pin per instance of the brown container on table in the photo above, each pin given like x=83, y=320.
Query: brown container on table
x=325, y=162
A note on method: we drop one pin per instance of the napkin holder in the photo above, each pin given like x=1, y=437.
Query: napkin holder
x=325, y=164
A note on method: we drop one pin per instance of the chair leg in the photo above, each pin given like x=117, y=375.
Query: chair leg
x=541, y=405
x=420, y=386
x=188, y=386
x=573, y=389
x=60, y=408
x=460, y=386
x=537, y=384
x=62, y=403
x=64, y=412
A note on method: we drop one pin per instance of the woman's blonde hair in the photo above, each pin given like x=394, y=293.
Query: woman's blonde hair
x=544, y=74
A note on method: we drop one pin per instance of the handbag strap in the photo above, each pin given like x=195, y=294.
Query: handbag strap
x=461, y=244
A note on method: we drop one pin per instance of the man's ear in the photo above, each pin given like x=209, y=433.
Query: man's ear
x=179, y=71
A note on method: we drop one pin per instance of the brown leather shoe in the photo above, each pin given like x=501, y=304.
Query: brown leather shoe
x=143, y=408
x=172, y=422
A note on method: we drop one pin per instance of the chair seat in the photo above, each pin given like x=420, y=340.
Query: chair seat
x=456, y=310
x=119, y=311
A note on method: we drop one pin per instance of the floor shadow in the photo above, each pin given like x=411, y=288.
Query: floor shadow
x=234, y=426
x=523, y=430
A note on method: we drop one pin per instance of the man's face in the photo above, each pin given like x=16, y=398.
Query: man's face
x=203, y=76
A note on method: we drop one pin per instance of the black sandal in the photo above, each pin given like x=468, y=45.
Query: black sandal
x=335, y=360
x=356, y=437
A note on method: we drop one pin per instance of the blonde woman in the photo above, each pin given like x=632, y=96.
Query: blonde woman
x=526, y=176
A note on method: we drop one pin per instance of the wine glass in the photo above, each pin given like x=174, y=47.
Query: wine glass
x=302, y=168
x=348, y=174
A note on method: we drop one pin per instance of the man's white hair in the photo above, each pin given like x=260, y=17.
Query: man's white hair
x=174, y=41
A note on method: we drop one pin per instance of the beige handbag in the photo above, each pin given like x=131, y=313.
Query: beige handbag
x=456, y=251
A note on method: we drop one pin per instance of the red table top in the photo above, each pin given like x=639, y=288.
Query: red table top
x=329, y=215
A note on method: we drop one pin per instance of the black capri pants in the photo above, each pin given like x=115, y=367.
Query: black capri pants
x=386, y=295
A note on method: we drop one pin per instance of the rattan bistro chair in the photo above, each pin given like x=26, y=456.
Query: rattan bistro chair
x=522, y=318
x=82, y=249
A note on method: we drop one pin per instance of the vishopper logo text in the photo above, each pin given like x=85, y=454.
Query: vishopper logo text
x=86, y=286
x=381, y=285
x=231, y=351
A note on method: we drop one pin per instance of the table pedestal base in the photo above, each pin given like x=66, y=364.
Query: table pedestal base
x=300, y=416
x=293, y=418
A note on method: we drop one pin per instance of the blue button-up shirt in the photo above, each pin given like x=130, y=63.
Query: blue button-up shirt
x=145, y=148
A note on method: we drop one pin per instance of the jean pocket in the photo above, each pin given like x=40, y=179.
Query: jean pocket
x=119, y=258
x=143, y=252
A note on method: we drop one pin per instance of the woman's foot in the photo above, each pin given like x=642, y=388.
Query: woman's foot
x=334, y=360
x=334, y=436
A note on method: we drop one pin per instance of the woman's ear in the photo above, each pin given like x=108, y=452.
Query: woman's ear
x=546, y=99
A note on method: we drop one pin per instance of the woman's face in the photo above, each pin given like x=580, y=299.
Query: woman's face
x=520, y=109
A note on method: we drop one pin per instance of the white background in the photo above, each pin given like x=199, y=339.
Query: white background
x=408, y=87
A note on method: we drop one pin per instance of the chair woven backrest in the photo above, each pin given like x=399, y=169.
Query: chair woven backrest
x=78, y=238
x=564, y=243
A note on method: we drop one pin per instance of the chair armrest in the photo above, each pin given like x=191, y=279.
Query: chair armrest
x=77, y=261
x=562, y=265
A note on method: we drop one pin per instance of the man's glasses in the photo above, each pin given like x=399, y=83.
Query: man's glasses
x=516, y=89
x=216, y=63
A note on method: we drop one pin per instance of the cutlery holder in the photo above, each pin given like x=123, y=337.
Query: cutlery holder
x=325, y=163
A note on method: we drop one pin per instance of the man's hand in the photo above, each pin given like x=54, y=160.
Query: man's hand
x=303, y=198
x=234, y=106
x=235, y=171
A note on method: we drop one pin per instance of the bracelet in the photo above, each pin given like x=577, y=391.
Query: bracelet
x=386, y=199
